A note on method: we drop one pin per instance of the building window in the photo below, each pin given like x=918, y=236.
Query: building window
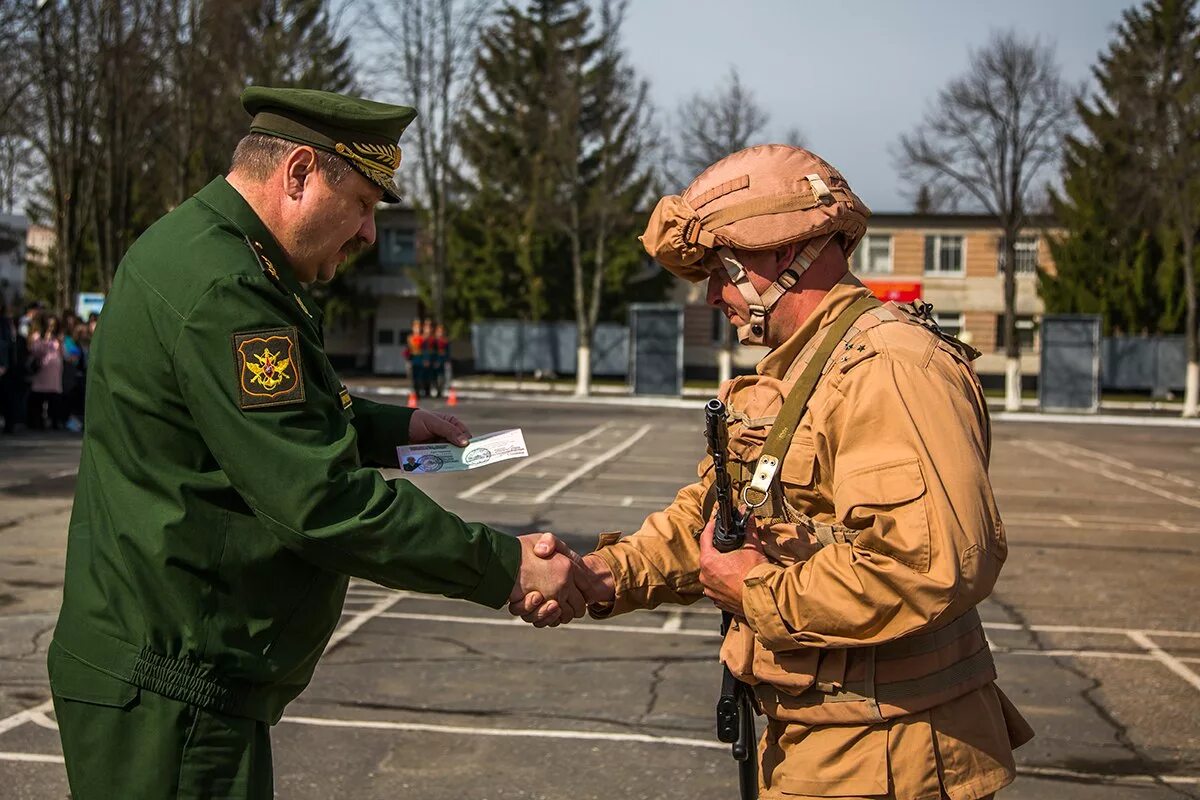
x=1026, y=332
x=943, y=254
x=951, y=322
x=874, y=254
x=397, y=247
x=1027, y=255
x=385, y=337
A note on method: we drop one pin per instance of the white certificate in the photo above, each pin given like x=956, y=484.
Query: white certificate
x=479, y=452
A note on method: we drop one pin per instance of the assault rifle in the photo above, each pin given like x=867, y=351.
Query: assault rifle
x=735, y=710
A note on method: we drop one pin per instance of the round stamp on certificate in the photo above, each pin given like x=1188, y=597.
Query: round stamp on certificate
x=479, y=452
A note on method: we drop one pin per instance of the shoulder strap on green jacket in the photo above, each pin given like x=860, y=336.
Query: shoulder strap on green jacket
x=754, y=494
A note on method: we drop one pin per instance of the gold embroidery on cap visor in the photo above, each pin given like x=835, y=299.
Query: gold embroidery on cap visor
x=378, y=162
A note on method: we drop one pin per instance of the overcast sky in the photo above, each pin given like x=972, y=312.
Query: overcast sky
x=852, y=76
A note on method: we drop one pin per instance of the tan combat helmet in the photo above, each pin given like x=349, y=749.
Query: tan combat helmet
x=757, y=199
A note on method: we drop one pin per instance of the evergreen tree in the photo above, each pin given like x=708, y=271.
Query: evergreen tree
x=1118, y=258
x=553, y=150
x=511, y=139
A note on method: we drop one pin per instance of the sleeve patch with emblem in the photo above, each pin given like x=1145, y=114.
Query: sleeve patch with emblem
x=268, y=368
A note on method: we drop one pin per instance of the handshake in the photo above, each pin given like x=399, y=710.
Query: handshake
x=556, y=585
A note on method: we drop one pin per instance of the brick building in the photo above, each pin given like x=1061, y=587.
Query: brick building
x=953, y=261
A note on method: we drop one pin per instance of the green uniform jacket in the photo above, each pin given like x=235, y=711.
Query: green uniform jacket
x=225, y=490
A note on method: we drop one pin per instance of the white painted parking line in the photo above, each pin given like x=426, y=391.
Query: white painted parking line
x=535, y=733
x=1169, y=661
x=1051, y=521
x=509, y=622
x=1130, y=420
x=21, y=717
x=520, y=465
x=684, y=741
x=581, y=499
x=591, y=464
x=701, y=610
x=1013, y=626
x=1099, y=777
x=36, y=758
x=1124, y=477
x=1104, y=654
x=360, y=619
x=673, y=625
x=31, y=615
x=1129, y=466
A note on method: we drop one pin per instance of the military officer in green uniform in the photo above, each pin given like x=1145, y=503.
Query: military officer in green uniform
x=226, y=488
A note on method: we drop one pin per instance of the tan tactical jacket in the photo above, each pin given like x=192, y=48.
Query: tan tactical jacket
x=882, y=535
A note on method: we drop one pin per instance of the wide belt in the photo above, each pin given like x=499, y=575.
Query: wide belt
x=906, y=695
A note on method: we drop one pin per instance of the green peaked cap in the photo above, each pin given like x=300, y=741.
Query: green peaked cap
x=363, y=132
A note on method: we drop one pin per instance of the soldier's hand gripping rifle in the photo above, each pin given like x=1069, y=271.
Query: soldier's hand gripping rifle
x=735, y=712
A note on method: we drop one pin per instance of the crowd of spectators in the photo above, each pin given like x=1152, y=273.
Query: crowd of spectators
x=43, y=368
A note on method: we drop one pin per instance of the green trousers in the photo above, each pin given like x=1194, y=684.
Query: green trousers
x=120, y=741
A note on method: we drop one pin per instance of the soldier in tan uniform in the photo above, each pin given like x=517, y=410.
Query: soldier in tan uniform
x=874, y=528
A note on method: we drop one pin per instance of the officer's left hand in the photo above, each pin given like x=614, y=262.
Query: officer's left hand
x=428, y=426
x=722, y=574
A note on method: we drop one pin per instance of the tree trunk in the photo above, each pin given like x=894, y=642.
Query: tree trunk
x=583, y=330
x=1191, y=396
x=583, y=370
x=1012, y=345
x=725, y=355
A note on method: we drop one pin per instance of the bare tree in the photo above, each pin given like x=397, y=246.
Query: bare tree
x=66, y=55
x=16, y=23
x=711, y=126
x=124, y=123
x=435, y=54
x=992, y=135
x=16, y=29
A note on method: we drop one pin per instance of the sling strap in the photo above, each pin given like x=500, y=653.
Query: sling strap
x=755, y=493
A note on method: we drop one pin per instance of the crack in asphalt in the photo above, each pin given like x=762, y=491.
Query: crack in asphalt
x=656, y=679
x=34, y=646
x=1147, y=764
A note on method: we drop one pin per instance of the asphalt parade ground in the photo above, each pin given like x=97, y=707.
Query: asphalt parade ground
x=1095, y=626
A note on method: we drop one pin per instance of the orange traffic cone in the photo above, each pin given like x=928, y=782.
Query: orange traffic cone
x=412, y=399
x=452, y=397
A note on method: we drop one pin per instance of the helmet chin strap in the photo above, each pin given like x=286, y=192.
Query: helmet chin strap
x=754, y=332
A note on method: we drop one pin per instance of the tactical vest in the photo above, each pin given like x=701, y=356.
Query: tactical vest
x=854, y=685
